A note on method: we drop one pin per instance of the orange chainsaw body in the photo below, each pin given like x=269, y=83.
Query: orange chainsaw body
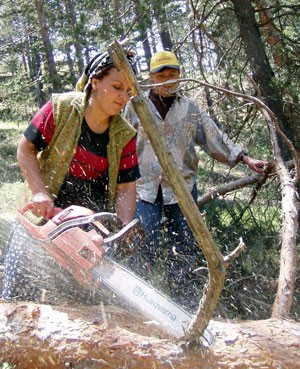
x=76, y=250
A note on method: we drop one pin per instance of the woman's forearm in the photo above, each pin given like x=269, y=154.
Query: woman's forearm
x=126, y=201
x=42, y=202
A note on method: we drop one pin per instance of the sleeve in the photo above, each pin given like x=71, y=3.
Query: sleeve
x=215, y=142
x=129, y=168
x=40, y=130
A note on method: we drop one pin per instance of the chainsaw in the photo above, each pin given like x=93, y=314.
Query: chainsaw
x=85, y=244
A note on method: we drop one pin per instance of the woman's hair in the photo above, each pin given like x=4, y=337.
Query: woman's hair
x=97, y=75
x=98, y=67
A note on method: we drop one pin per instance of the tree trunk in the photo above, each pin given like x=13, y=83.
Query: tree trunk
x=144, y=23
x=39, y=5
x=72, y=74
x=77, y=45
x=290, y=205
x=41, y=336
x=261, y=69
x=290, y=225
x=162, y=22
x=272, y=34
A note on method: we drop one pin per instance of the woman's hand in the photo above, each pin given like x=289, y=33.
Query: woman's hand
x=42, y=205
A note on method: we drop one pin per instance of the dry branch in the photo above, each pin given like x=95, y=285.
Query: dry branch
x=290, y=225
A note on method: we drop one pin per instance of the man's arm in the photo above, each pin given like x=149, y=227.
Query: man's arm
x=218, y=145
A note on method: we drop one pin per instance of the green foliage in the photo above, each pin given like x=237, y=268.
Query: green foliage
x=9, y=170
x=205, y=35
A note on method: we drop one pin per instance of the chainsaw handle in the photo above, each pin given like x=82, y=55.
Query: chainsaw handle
x=30, y=206
x=121, y=232
x=80, y=221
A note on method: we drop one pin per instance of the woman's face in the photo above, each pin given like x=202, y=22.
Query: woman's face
x=111, y=93
x=165, y=75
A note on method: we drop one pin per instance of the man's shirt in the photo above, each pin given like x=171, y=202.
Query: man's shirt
x=184, y=127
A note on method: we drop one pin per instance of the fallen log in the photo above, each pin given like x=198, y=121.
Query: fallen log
x=43, y=336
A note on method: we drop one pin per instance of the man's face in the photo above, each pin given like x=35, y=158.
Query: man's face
x=165, y=75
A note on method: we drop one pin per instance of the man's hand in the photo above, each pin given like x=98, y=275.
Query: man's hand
x=258, y=166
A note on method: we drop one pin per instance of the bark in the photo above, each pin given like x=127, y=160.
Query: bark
x=34, y=61
x=72, y=74
x=144, y=23
x=215, y=261
x=116, y=14
x=272, y=34
x=288, y=251
x=41, y=336
x=162, y=22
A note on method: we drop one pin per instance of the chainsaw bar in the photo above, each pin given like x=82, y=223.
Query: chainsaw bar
x=143, y=297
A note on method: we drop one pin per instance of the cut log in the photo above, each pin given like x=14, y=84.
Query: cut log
x=43, y=336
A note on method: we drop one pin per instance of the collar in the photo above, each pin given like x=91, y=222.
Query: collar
x=177, y=95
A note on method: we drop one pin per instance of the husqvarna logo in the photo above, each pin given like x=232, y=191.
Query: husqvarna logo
x=139, y=292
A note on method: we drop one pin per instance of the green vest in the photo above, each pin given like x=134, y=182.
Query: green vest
x=68, y=113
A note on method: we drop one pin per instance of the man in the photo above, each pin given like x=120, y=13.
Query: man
x=184, y=125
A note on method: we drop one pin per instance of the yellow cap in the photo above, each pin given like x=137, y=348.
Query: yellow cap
x=163, y=59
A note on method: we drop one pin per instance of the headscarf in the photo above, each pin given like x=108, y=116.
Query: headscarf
x=98, y=63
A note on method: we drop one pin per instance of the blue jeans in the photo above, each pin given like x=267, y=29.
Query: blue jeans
x=177, y=240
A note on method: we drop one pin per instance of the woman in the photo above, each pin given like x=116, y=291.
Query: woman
x=77, y=150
